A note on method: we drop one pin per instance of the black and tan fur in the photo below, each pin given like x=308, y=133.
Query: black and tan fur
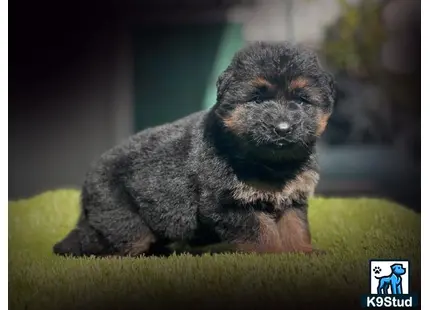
x=240, y=173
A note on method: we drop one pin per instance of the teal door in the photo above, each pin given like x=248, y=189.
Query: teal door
x=176, y=68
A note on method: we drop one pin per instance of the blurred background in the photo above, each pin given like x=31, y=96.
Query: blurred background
x=83, y=76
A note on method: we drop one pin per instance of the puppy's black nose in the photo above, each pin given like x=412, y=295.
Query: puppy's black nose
x=283, y=128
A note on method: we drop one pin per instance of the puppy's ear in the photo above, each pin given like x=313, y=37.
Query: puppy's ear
x=223, y=82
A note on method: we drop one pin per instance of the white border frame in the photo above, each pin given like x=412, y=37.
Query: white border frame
x=425, y=154
x=4, y=131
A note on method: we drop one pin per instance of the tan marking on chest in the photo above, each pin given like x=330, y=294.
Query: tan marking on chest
x=303, y=183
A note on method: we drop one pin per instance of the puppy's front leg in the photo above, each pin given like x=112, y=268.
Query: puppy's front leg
x=294, y=231
x=267, y=238
x=253, y=232
x=260, y=232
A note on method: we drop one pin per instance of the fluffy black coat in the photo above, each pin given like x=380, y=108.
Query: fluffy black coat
x=239, y=173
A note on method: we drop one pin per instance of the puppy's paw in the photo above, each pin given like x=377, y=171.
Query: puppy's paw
x=69, y=246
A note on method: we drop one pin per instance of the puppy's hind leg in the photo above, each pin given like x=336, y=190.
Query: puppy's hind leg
x=112, y=213
x=70, y=245
x=81, y=241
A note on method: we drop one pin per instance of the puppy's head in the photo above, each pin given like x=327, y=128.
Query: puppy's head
x=275, y=96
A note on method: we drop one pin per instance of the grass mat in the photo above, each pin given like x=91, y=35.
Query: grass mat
x=352, y=231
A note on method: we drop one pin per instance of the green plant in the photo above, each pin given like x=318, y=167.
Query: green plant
x=353, y=42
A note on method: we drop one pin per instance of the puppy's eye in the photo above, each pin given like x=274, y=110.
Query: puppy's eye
x=303, y=101
x=301, y=97
x=261, y=94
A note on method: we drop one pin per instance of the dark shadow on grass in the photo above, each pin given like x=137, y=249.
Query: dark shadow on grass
x=315, y=297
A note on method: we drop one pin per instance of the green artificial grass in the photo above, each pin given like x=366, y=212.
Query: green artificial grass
x=352, y=231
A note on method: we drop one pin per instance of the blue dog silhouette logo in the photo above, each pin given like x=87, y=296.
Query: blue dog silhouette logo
x=392, y=281
x=389, y=285
x=389, y=277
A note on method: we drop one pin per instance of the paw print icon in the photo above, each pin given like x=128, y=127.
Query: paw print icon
x=377, y=270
